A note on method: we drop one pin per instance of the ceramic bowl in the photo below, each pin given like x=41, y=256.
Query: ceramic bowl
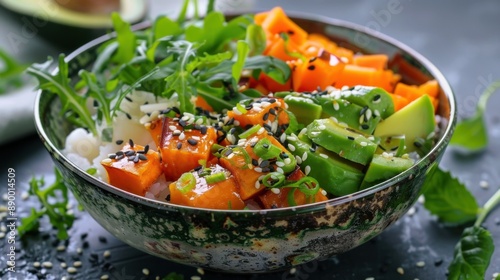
x=250, y=241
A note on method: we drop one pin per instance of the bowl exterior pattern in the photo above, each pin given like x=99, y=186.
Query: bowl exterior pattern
x=242, y=241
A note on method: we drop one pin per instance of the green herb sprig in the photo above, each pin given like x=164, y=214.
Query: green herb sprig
x=11, y=73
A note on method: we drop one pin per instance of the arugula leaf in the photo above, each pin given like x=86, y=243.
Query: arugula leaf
x=471, y=134
x=472, y=254
x=54, y=201
x=126, y=39
x=11, y=73
x=241, y=55
x=449, y=199
x=275, y=68
x=256, y=39
x=74, y=105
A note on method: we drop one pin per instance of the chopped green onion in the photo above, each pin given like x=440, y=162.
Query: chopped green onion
x=250, y=131
x=266, y=150
x=215, y=178
x=241, y=108
x=291, y=197
x=186, y=183
x=308, y=185
x=273, y=180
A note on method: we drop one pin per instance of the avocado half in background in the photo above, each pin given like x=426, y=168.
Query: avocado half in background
x=71, y=23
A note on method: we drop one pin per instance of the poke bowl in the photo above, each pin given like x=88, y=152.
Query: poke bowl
x=253, y=239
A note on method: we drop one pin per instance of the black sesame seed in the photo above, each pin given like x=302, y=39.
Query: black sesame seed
x=83, y=235
x=182, y=123
x=130, y=153
x=417, y=144
x=272, y=111
x=198, y=168
x=131, y=143
x=255, y=162
x=119, y=153
x=264, y=163
x=438, y=262
x=265, y=117
x=363, y=110
x=103, y=239
x=267, y=127
x=350, y=137
x=203, y=130
x=313, y=59
x=142, y=157
x=96, y=103
x=232, y=130
x=376, y=97
x=176, y=133
x=112, y=156
x=382, y=147
x=228, y=152
x=119, y=142
x=365, y=126
x=265, y=145
x=249, y=107
x=192, y=142
x=128, y=116
x=179, y=145
x=128, y=99
x=131, y=158
x=290, y=32
x=311, y=67
x=175, y=109
x=168, y=197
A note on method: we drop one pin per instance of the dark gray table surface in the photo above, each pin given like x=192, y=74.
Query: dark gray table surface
x=462, y=38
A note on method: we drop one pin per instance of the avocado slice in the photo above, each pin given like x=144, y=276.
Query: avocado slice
x=376, y=99
x=304, y=109
x=344, y=141
x=349, y=113
x=383, y=167
x=395, y=144
x=335, y=175
x=415, y=120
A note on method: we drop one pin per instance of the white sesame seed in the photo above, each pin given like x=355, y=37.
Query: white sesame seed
x=293, y=270
x=37, y=264
x=182, y=136
x=2, y=235
x=25, y=195
x=176, y=132
x=106, y=254
x=323, y=192
x=3, y=228
x=195, y=277
x=287, y=161
x=200, y=271
x=173, y=128
x=237, y=112
x=197, y=138
x=64, y=265
x=376, y=113
x=370, y=278
x=484, y=184
x=304, y=156
x=236, y=123
x=321, y=127
x=343, y=124
x=5, y=197
x=420, y=264
x=400, y=270
x=106, y=160
x=421, y=199
x=61, y=248
x=257, y=184
x=280, y=170
x=363, y=144
x=275, y=190
x=71, y=270
x=307, y=169
x=361, y=119
x=47, y=264
x=291, y=147
x=145, y=271
x=3, y=208
x=411, y=211
x=262, y=130
x=104, y=277
x=298, y=159
x=336, y=106
x=334, y=119
x=199, y=121
x=323, y=155
x=303, y=131
x=368, y=114
x=291, y=138
x=282, y=137
x=77, y=264
x=79, y=250
x=280, y=164
x=258, y=169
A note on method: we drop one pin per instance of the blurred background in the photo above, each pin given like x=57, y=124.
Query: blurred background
x=461, y=38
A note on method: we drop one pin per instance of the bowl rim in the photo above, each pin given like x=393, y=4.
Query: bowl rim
x=160, y=205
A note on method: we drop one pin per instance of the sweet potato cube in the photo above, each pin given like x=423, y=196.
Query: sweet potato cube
x=133, y=169
x=270, y=199
x=277, y=22
x=183, y=149
x=198, y=191
x=264, y=111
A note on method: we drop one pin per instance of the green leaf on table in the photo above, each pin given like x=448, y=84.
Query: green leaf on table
x=471, y=134
x=448, y=198
x=54, y=202
x=472, y=255
x=11, y=73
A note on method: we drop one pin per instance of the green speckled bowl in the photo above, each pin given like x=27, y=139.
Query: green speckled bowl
x=254, y=241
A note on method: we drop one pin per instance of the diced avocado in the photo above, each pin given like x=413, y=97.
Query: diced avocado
x=383, y=167
x=349, y=113
x=378, y=100
x=415, y=120
x=395, y=145
x=334, y=174
x=304, y=109
x=344, y=141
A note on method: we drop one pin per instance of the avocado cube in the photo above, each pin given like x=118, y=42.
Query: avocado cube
x=378, y=100
x=383, y=167
x=304, y=109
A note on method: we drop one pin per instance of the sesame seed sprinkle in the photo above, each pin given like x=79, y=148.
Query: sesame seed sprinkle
x=400, y=270
x=323, y=155
x=420, y=264
x=291, y=147
x=307, y=169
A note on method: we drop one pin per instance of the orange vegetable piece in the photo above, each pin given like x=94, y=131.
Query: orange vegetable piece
x=410, y=92
x=353, y=75
x=155, y=129
x=239, y=163
x=218, y=195
x=317, y=72
x=315, y=42
x=263, y=112
x=259, y=18
x=346, y=55
x=377, y=61
x=270, y=200
x=278, y=22
x=272, y=85
x=133, y=176
x=202, y=103
x=430, y=87
x=281, y=49
x=183, y=149
x=399, y=101
x=413, y=75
